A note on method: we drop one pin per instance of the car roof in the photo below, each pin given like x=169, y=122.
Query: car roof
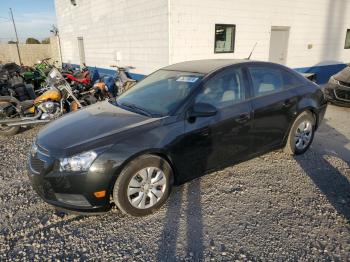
x=204, y=66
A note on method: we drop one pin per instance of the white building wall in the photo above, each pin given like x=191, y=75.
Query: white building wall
x=136, y=30
x=321, y=23
x=149, y=34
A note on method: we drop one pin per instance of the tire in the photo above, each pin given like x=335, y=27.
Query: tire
x=6, y=130
x=132, y=178
x=292, y=146
x=9, y=131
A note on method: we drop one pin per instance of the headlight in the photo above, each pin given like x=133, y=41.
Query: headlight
x=81, y=162
x=34, y=149
x=332, y=80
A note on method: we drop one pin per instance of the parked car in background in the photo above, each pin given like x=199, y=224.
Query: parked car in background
x=177, y=124
x=337, y=89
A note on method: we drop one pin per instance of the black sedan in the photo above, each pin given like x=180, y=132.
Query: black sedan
x=337, y=89
x=181, y=122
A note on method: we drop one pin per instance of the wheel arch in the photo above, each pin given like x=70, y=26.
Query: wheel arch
x=310, y=104
x=156, y=152
x=309, y=108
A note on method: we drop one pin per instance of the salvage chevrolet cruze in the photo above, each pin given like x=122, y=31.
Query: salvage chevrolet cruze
x=178, y=123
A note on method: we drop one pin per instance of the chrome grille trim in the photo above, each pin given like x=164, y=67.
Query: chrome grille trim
x=341, y=94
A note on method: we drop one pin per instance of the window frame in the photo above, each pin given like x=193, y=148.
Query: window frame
x=347, y=35
x=206, y=79
x=272, y=66
x=233, y=38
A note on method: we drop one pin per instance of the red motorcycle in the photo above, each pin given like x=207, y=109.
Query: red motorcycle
x=81, y=77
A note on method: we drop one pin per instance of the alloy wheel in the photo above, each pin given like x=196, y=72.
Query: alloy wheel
x=146, y=187
x=4, y=127
x=303, y=135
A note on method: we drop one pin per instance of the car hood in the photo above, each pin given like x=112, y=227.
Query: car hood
x=98, y=125
x=343, y=75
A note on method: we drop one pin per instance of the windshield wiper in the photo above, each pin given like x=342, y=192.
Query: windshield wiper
x=137, y=108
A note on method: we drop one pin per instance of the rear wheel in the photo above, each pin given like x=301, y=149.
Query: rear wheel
x=143, y=186
x=301, y=134
x=4, y=129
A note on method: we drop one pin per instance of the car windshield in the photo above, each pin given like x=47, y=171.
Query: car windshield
x=160, y=93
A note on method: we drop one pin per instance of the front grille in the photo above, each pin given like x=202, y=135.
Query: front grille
x=342, y=94
x=344, y=83
x=37, y=165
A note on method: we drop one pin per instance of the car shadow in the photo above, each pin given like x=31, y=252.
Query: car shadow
x=194, y=221
x=171, y=227
x=316, y=162
x=191, y=212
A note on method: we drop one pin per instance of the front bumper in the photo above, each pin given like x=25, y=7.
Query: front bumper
x=337, y=93
x=72, y=191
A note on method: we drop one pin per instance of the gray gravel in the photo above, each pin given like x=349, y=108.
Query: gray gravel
x=274, y=207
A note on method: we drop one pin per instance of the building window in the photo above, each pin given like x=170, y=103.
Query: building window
x=224, y=38
x=347, y=39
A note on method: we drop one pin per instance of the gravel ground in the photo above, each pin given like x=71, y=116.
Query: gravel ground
x=274, y=207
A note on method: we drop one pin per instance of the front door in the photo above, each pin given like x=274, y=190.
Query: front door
x=217, y=141
x=279, y=44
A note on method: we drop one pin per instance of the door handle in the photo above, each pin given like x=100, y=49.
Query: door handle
x=204, y=132
x=242, y=118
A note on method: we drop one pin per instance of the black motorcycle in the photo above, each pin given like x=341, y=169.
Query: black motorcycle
x=13, y=84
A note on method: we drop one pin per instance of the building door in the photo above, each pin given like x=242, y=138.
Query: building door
x=279, y=44
x=81, y=51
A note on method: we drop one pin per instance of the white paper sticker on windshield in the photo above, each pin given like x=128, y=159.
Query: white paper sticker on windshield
x=189, y=79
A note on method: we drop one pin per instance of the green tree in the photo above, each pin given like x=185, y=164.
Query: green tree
x=46, y=41
x=32, y=40
x=11, y=42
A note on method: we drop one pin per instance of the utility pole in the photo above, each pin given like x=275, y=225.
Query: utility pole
x=54, y=30
x=14, y=26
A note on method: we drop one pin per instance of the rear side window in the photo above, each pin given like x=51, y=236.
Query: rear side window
x=268, y=80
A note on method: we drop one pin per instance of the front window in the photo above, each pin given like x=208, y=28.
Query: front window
x=224, y=38
x=160, y=93
x=223, y=90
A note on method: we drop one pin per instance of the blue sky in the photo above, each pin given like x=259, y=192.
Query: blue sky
x=33, y=18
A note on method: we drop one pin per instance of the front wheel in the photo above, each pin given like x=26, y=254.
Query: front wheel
x=4, y=129
x=143, y=185
x=301, y=134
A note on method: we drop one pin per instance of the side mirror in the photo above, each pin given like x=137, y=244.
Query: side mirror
x=201, y=110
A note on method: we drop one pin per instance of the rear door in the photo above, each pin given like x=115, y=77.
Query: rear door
x=273, y=103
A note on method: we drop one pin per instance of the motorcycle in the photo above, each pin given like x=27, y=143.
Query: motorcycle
x=79, y=77
x=13, y=84
x=87, y=82
x=57, y=100
x=123, y=81
x=37, y=75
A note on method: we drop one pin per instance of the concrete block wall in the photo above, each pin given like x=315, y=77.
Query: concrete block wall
x=321, y=23
x=151, y=34
x=133, y=32
x=30, y=53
